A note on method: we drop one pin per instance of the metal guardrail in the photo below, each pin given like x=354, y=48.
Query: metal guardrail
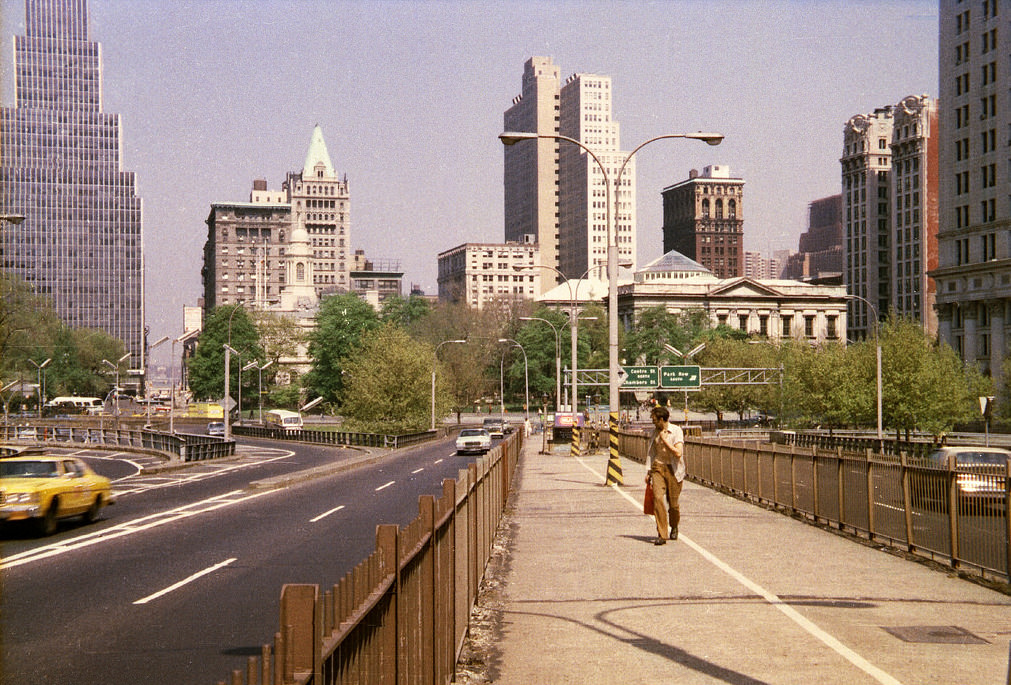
x=899, y=500
x=185, y=446
x=401, y=615
x=336, y=437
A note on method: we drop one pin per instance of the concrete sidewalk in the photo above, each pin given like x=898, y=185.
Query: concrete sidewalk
x=745, y=596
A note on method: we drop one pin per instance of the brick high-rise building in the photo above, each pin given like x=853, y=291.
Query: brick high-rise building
x=703, y=219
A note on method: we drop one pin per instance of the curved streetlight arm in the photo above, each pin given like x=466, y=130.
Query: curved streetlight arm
x=526, y=378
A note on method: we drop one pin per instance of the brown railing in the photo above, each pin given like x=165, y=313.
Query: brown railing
x=899, y=500
x=401, y=615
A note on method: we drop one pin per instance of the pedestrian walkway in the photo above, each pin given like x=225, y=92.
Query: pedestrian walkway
x=744, y=596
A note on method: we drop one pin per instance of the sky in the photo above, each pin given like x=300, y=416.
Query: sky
x=410, y=95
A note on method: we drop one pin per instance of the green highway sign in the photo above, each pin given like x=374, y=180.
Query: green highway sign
x=680, y=377
x=640, y=377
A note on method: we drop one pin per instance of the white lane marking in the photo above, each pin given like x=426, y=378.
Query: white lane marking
x=326, y=513
x=130, y=527
x=439, y=461
x=184, y=581
x=418, y=470
x=383, y=487
x=791, y=613
x=211, y=470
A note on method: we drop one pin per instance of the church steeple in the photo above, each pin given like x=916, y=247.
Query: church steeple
x=317, y=159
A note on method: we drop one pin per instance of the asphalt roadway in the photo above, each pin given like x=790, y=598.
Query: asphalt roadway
x=578, y=593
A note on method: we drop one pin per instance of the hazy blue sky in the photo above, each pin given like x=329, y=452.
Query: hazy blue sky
x=410, y=96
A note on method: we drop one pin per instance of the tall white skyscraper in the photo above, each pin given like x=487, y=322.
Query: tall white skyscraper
x=80, y=244
x=555, y=193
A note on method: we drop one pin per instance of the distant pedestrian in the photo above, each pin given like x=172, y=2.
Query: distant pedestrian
x=665, y=472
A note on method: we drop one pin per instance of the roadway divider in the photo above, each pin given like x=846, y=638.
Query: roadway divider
x=401, y=615
x=337, y=437
x=184, y=446
x=899, y=500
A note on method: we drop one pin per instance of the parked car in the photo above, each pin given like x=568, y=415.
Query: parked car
x=979, y=476
x=473, y=440
x=46, y=489
x=495, y=428
x=216, y=428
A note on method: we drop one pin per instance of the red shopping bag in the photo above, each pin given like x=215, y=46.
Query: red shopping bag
x=647, y=503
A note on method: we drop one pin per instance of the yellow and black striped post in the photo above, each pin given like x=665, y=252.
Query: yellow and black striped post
x=614, y=461
x=574, y=452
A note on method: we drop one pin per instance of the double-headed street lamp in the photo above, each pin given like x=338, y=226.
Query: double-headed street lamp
x=251, y=365
x=435, y=359
x=229, y=351
x=147, y=398
x=115, y=367
x=573, y=325
x=259, y=386
x=41, y=384
x=877, y=346
x=511, y=138
x=526, y=379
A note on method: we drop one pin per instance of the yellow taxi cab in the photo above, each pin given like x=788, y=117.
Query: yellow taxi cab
x=46, y=489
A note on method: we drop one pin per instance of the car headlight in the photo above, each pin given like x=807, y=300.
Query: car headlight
x=21, y=498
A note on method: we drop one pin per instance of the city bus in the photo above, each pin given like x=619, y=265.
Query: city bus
x=288, y=421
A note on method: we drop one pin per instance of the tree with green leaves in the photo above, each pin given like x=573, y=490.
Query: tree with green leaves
x=404, y=311
x=388, y=383
x=925, y=385
x=232, y=325
x=341, y=323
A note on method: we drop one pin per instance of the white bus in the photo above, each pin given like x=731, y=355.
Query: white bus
x=73, y=405
x=288, y=421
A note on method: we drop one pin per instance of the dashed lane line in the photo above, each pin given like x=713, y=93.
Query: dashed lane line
x=185, y=581
x=131, y=527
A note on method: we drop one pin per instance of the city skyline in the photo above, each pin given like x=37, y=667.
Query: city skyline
x=410, y=97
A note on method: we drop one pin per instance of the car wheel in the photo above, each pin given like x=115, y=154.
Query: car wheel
x=47, y=524
x=91, y=515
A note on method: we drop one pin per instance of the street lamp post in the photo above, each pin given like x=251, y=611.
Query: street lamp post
x=877, y=351
x=526, y=379
x=115, y=391
x=558, y=360
x=229, y=351
x=41, y=385
x=251, y=365
x=259, y=386
x=686, y=356
x=511, y=138
x=573, y=325
x=147, y=398
x=435, y=359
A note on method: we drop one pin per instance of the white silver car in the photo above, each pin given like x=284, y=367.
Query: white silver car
x=473, y=440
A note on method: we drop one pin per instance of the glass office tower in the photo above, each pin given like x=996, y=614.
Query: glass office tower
x=80, y=244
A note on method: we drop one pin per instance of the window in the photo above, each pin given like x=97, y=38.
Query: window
x=787, y=325
x=809, y=326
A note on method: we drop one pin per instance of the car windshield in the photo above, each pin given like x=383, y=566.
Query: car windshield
x=972, y=457
x=980, y=458
x=471, y=432
x=28, y=469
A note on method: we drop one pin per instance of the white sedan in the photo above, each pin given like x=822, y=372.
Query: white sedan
x=473, y=440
